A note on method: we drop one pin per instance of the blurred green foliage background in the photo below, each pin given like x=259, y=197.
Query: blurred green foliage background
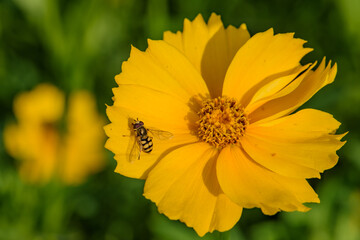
x=80, y=44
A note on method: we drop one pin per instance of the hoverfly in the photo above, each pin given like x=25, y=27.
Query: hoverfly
x=142, y=142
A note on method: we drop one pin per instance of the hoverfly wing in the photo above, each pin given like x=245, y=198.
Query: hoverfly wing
x=135, y=150
x=160, y=134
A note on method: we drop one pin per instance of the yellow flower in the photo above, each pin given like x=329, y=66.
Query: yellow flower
x=83, y=144
x=226, y=98
x=39, y=145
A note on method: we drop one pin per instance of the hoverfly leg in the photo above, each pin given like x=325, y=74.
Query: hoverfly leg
x=140, y=150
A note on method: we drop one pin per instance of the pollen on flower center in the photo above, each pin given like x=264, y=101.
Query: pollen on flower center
x=222, y=122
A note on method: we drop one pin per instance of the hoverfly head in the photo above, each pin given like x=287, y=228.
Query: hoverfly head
x=138, y=124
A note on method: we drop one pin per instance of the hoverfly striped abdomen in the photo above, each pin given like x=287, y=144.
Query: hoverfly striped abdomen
x=142, y=141
x=147, y=144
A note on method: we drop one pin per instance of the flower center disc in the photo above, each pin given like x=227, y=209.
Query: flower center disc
x=222, y=122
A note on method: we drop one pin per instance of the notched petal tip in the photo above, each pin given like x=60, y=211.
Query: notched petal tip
x=291, y=34
x=198, y=19
x=132, y=48
x=243, y=26
x=150, y=41
x=118, y=76
x=214, y=20
x=270, y=30
x=333, y=72
x=339, y=138
x=213, y=14
x=107, y=145
x=307, y=50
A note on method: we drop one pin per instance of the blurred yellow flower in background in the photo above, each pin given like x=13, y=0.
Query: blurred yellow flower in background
x=226, y=98
x=45, y=151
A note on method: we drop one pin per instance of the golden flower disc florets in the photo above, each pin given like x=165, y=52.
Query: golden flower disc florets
x=222, y=122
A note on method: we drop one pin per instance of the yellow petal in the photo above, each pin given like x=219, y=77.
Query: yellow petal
x=12, y=138
x=260, y=151
x=196, y=34
x=36, y=148
x=261, y=57
x=295, y=94
x=218, y=53
x=157, y=109
x=174, y=39
x=83, y=152
x=210, y=47
x=236, y=38
x=299, y=145
x=162, y=68
x=184, y=186
x=275, y=86
x=35, y=141
x=43, y=104
x=120, y=143
x=250, y=185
